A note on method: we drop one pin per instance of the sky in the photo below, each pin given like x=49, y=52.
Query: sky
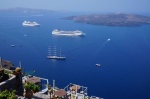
x=81, y=5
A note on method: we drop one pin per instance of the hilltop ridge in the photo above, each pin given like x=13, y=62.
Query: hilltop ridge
x=25, y=10
x=113, y=19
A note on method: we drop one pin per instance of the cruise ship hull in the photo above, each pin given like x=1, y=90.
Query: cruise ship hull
x=28, y=23
x=56, y=57
x=67, y=33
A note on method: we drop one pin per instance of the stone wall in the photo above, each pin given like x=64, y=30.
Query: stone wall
x=13, y=83
x=8, y=84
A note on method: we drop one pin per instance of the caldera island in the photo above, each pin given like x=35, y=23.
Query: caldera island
x=117, y=19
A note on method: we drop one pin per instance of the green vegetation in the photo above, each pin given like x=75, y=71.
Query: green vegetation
x=30, y=86
x=3, y=75
x=8, y=72
x=30, y=89
x=8, y=95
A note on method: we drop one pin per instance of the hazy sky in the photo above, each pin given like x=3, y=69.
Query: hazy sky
x=81, y=5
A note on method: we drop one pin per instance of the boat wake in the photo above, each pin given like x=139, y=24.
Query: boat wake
x=103, y=45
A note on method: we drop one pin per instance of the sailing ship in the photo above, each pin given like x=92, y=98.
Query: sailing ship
x=52, y=54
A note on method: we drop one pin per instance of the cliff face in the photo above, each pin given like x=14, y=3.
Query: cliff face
x=111, y=19
x=11, y=81
x=7, y=65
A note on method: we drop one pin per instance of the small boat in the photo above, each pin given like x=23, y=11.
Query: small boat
x=12, y=45
x=108, y=39
x=98, y=65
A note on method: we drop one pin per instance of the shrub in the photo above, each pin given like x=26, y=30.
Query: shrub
x=8, y=95
x=30, y=86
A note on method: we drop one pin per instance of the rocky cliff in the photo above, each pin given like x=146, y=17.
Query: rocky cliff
x=111, y=19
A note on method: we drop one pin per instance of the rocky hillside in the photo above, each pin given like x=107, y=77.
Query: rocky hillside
x=112, y=19
x=7, y=65
x=25, y=10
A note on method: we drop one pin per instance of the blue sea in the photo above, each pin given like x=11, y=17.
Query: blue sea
x=125, y=59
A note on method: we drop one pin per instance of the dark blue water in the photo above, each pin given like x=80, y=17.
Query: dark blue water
x=125, y=59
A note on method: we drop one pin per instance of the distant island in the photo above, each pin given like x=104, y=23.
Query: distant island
x=25, y=10
x=122, y=20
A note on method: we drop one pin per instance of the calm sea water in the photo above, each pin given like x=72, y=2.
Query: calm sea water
x=125, y=59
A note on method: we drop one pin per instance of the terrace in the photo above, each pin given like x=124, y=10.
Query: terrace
x=71, y=91
x=94, y=97
x=76, y=91
x=41, y=82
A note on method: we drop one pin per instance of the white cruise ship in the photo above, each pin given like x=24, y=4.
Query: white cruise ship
x=28, y=23
x=67, y=33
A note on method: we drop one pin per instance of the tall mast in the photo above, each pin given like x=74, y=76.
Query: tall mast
x=60, y=52
x=54, y=51
x=49, y=51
